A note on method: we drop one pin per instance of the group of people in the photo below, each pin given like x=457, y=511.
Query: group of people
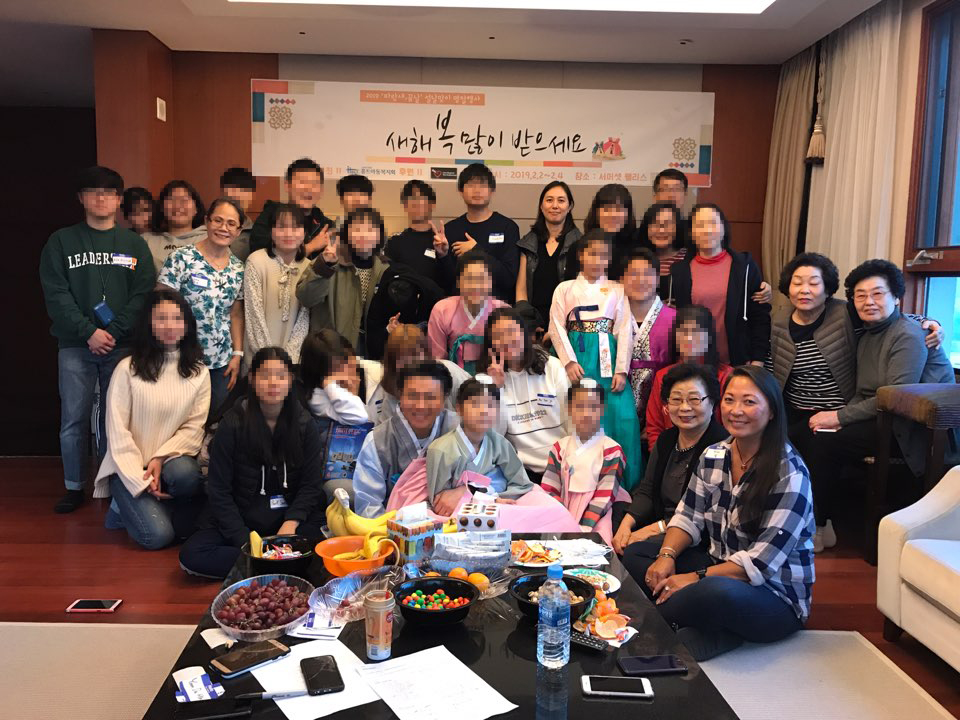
x=246, y=370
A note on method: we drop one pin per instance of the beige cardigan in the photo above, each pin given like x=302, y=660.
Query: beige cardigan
x=151, y=419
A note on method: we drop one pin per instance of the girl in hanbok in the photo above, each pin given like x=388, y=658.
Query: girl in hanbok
x=457, y=323
x=585, y=469
x=590, y=324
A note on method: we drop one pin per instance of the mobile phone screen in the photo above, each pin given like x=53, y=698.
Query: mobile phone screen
x=93, y=604
x=321, y=674
x=607, y=684
x=651, y=665
x=248, y=657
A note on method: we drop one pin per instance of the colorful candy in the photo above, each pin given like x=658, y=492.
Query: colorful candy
x=438, y=600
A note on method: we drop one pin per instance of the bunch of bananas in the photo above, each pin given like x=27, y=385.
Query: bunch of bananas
x=372, y=547
x=343, y=521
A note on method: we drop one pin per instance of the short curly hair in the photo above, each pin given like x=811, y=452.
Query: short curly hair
x=828, y=271
x=876, y=268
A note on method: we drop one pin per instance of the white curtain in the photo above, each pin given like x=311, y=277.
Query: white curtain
x=851, y=194
x=786, y=170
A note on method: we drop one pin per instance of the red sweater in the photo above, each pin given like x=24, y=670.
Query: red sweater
x=709, y=278
x=657, y=418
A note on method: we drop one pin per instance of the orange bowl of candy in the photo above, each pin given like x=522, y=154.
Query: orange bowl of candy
x=331, y=547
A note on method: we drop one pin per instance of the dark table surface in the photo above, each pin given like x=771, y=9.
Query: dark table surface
x=502, y=649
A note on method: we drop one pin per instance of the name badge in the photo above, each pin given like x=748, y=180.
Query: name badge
x=127, y=261
x=430, y=253
x=716, y=453
x=278, y=502
x=545, y=400
x=495, y=238
x=201, y=281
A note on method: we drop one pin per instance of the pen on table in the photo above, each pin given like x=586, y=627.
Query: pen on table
x=271, y=695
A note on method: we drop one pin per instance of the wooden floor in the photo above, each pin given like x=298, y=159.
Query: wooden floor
x=50, y=560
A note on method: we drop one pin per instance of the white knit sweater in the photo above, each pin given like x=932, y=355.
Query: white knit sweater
x=151, y=419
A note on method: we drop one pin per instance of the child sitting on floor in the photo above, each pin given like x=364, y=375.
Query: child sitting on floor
x=475, y=447
x=585, y=469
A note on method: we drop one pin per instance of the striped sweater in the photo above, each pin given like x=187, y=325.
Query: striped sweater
x=593, y=469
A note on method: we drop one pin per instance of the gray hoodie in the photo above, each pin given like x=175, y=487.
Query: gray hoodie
x=162, y=244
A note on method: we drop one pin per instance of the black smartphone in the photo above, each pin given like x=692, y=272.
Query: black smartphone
x=220, y=709
x=650, y=665
x=321, y=674
x=247, y=658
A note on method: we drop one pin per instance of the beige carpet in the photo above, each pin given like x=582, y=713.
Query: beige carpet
x=84, y=671
x=821, y=675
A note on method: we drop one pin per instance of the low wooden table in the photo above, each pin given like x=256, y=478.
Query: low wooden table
x=498, y=644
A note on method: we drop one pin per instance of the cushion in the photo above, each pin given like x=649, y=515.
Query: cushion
x=935, y=405
x=932, y=567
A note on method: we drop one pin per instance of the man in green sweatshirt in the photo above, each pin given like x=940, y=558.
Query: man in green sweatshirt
x=95, y=277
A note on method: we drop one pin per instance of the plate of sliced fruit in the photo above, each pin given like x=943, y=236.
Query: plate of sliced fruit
x=533, y=554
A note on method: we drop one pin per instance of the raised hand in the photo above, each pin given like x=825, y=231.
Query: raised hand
x=393, y=324
x=331, y=251
x=495, y=368
x=440, y=244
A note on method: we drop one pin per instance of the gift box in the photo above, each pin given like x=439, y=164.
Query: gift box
x=477, y=516
x=415, y=539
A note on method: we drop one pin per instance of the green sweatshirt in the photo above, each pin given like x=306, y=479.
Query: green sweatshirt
x=71, y=267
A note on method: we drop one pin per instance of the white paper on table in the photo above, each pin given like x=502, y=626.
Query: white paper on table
x=580, y=551
x=449, y=689
x=285, y=675
x=215, y=637
x=316, y=633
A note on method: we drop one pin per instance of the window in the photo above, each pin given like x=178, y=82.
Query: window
x=938, y=215
x=943, y=305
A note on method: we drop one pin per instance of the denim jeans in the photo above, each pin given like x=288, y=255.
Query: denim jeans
x=218, y=388
x=153, y=523
x=715, y=605
x=79, y=371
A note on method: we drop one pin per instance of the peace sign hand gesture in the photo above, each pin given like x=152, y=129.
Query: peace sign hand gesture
x=331, y=251
x=440, y=244
x=318, y=241
x=495, y=368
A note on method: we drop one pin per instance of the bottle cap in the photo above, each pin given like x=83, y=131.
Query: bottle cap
x=555, y=571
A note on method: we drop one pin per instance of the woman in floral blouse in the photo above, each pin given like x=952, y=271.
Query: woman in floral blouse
x=210, y=278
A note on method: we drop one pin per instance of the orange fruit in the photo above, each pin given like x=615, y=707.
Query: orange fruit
x=431, y=574
x=605, y=629
x=619, y=621
x=459, y=573
x=481, y=581
x=606, y=607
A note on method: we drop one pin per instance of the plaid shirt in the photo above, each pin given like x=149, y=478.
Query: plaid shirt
x=780, y=556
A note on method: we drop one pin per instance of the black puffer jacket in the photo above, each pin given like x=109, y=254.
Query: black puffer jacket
x=239, y=487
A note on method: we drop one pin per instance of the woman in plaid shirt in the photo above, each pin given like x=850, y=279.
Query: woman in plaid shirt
x=736, y=562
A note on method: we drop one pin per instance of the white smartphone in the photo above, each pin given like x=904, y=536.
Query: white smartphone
x=614, y=686
x=93, y=606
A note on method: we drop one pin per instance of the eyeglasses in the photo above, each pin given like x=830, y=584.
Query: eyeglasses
x=229, y=223
x=693, y=401
x=877, y=296
x=99, y=192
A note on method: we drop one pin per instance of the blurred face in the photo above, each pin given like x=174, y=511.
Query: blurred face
x=353, y=200
x=595, y=259
x=179, y=209
x=708, y=232
x=421, y=402
x=688, y=405
x=305, y=188
x=100, y=202
x=612, y=218
x=241, y=196
x=363, y=238
x=478, y=413
x=640, y=281
x=288, y=234
x=475, y=284
x=663, y=231
x=744, y=409
x=348, y=375
x=507, y=339
x=272, y=382
x=692, y=341
x=418, y=207
x=586, y=411
x=873, y=300
x=671, y=191
x=555, y=206
x=477, y=193
x=139, y=219
x=223, y=225
x=415, y=357
x=807, y=291
x=168, y=323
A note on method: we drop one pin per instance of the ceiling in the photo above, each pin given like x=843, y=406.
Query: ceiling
x=45, y=48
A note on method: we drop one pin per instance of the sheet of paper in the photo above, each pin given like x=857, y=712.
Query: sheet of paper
x=215, y=637
x=450, y=689
x=309, y=629
x=580, y=551
x=284, y=675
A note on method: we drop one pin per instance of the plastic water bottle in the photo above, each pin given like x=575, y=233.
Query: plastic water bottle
x=553, y=631
x=552, y=693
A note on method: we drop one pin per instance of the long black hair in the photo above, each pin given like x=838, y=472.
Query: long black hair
x=159, y=223
x=765, y=471
x=613, y=194
x=704, y=319
x=534, y=357
x=680, y=237
x=284, y=444
x=146, y=356
x=539, y=226
x=322, y=353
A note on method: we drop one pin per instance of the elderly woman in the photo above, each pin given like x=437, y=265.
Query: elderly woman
x=749, y=498
x=690, y=393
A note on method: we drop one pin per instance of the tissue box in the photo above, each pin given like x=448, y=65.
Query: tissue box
x=415, y=539
x=478, y=516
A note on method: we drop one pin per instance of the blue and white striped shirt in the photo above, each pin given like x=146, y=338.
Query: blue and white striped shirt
x=780, y=554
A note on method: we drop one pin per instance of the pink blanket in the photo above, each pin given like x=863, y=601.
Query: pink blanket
x=534, y=512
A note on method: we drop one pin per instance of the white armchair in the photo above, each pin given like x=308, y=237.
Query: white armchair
x=918, y=570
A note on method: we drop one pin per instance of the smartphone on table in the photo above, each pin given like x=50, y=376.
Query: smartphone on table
x=321, y=674
x=612, y=686
x=650, y=665
x=247, y=658
x=93, y=606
